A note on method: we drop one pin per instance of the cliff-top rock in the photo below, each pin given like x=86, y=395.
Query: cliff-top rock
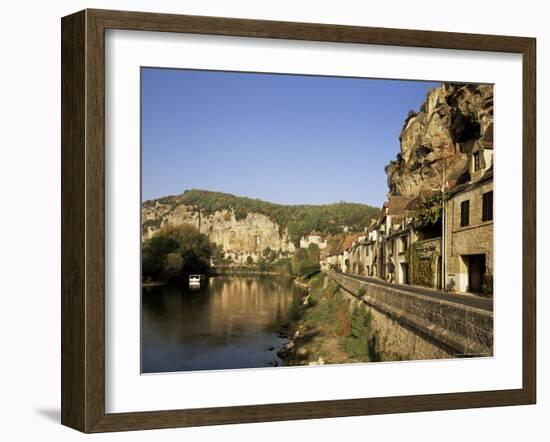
x=439, y=136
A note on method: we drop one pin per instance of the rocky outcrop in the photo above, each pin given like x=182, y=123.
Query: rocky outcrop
x=436, y=140
x=239, y=238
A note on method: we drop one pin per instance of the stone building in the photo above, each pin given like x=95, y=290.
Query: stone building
x=382, y=251
x=313, y=238
x=396, y=238
x=397, y=254
x=371, y=250
x=469, y=228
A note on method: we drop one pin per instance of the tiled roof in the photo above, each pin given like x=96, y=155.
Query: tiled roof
x=348, y=241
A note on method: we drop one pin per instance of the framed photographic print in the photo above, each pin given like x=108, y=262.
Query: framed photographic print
x=270, y=220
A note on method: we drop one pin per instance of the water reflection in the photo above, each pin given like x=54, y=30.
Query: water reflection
x=232, y=322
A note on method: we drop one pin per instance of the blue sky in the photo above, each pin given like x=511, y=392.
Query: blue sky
x=282, y=138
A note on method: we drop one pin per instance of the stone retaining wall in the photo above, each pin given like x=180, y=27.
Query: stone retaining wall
x=417, y=327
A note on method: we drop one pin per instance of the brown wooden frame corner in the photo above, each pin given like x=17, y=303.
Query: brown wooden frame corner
x=83, y=217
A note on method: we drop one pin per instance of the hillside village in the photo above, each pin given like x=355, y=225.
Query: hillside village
x=436, y=227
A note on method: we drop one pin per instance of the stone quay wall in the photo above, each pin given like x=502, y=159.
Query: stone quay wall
x=412, y=326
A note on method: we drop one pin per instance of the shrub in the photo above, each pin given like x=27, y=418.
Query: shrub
x=175, y=251
x=451, y=285
x=306, y=261
x=428, y=215
x=361, y=341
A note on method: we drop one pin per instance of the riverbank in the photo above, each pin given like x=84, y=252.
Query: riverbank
x=244, y=271
x=328, y=328
x=153, y=284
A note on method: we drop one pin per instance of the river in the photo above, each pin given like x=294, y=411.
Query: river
x=231, y=322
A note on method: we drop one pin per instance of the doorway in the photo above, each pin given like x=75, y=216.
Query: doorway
x=476, y=269
x=404, y=273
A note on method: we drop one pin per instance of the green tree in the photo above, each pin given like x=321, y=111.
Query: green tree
x=173, y=266
x=153, y=255
x=306, y=261
x=175, y=251
x=428, y=215
x=218, y=256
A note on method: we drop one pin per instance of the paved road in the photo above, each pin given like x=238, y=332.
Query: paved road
x=469, y=300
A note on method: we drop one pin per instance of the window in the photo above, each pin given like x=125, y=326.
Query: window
x=464, y=213
x=404, y=244
x=487, y=206
x=477, y=161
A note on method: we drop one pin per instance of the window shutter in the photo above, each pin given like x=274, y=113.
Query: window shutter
x=464, y=213
x=488, y=206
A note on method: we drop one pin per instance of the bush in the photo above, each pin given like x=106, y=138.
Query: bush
x=312, y=301
x=306, y=261
x=428, y=215
x=173, y=266
x=174, y=252
x=451, y=285
x=361, y=341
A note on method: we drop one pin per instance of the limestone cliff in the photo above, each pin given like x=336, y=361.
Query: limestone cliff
x=246, y=227
x=437, y=139
x=239, y=238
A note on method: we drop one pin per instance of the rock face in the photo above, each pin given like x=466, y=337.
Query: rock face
x=239, y=239
x=437, y=139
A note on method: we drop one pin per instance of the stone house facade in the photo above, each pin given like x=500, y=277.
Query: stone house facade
x=469, y=237
x=398, y=246
x=313, y=238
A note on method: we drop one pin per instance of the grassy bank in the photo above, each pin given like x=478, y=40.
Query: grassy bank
x=329, y=328
x=152, y=284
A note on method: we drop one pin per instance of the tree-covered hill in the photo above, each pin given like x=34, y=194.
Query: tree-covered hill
x=299, y=219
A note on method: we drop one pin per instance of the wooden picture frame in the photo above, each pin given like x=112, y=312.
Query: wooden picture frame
x=83, y=220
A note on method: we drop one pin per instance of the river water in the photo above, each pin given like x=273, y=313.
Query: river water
x=231, y=322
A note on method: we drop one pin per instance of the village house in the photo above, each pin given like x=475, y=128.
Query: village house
x=398, y=235
x=372, y=248
x=313, y=238
x=382, y=251
x=469, y=227
x=370, y=243
x=357, y=256
x=397, y=261
x=346, y=263
x=391, y=249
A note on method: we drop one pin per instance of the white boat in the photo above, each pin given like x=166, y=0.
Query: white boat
x=195, y=281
